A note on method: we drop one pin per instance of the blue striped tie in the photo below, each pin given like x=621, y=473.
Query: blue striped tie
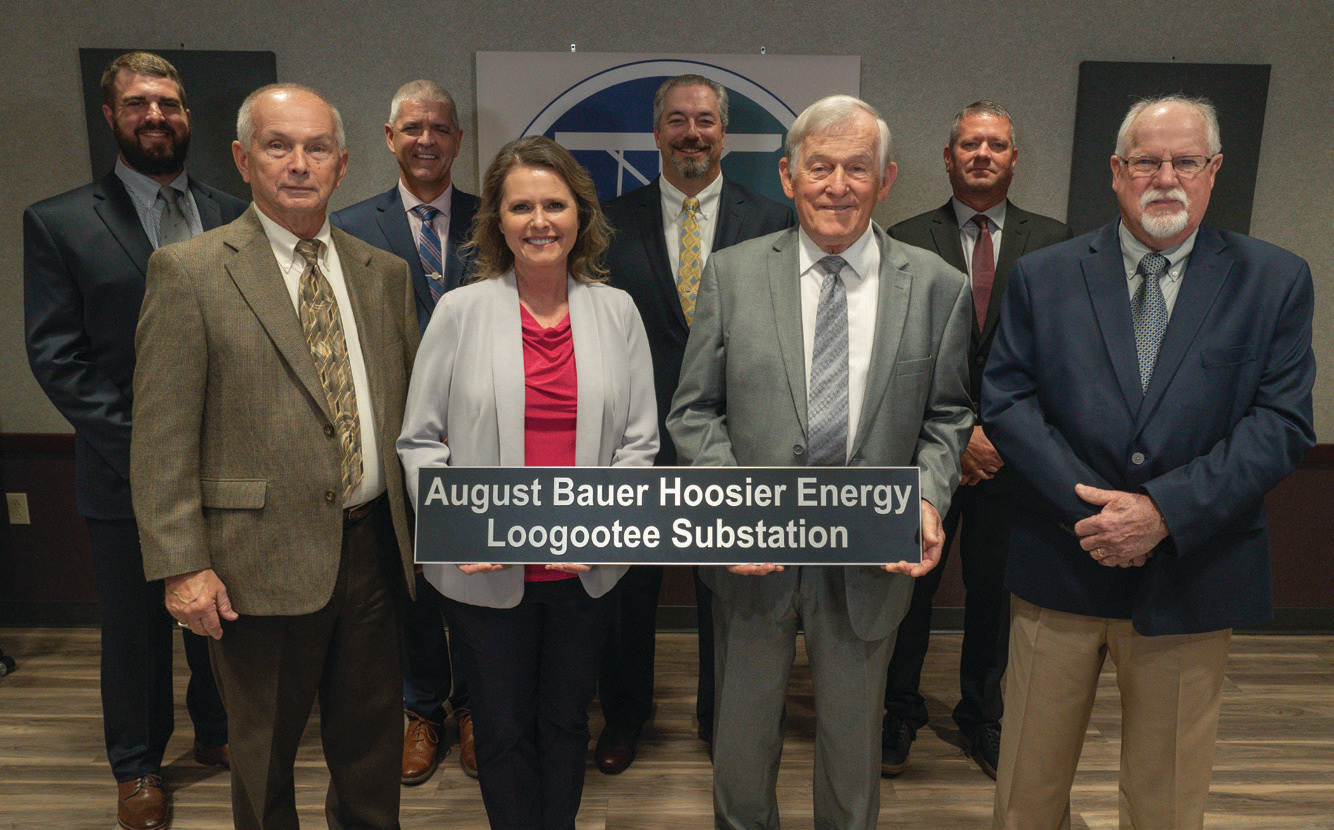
x=428, y=246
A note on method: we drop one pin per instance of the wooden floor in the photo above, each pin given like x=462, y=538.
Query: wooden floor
x=1275, y=764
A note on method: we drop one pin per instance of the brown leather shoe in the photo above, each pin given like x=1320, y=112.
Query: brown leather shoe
x=421, y=744
x=616, y=748
x=467, y=749
x=143, y=804
x=213, y=756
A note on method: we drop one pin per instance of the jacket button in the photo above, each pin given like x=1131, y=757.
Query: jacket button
x=328, y=429
x=329, y=496
x=798, y=449
x=980, y=360
x=1137, y=458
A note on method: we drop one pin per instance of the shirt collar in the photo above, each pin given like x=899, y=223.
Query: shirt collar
x=441, y=202
x=861, y=256
x=284, y=243
x=995, y=214
x=673, y=200
x=143, y=188
x=1132, y=251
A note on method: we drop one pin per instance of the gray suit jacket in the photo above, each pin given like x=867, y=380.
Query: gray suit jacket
x=742, y=397
x=232, y=462
x=468, y=389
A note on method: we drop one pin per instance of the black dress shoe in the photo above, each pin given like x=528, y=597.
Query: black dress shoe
x=616, y=748
x=896, y=739
x=984, y=748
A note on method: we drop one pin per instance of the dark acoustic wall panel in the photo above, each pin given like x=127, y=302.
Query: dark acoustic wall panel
x=1106, y=91
x=216, y=82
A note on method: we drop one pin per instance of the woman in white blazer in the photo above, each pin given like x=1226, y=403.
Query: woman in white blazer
x=534, y=363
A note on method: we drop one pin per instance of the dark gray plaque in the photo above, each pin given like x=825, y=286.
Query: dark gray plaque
x=670, y=515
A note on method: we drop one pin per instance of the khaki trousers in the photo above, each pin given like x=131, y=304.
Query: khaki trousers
x=1171, y=692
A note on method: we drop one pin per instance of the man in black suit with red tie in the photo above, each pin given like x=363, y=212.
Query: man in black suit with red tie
x=425, y=220
x=664, y=232
x=85, y=254
x=980, y=232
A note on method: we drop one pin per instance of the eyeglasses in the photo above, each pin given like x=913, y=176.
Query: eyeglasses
x=1183, y=166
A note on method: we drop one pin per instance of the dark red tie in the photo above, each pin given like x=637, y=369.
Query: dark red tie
x=984, y=270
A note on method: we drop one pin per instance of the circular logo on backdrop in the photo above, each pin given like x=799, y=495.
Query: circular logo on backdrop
x=606, y=122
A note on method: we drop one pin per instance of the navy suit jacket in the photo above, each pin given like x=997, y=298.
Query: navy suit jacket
x=85, y=254
x=639, y=264
x=1226, y=416
x=382, y=222
x=938, y=230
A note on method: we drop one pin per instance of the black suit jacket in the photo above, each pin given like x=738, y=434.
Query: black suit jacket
x=938, y=230
x=85, y=254
x=381, y=221
x=639, y=264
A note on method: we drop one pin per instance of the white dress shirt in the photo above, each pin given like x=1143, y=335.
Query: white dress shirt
x=968, y=230
x=292, y=266
x=440, y=223
x=1132, y=251
x=674, y=217
x=861, y=283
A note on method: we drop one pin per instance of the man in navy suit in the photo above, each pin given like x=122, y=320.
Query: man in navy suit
x=425, y=220
x=646, y=259
x=1149, y=383
x=85, y=254
x=980, y=232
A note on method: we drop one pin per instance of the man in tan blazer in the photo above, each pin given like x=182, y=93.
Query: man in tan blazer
x=273, y=363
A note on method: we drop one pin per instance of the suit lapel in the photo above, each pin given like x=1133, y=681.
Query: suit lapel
x=731, y=210
x=393, y=222
x=650, y=235
x=363, y=291
x=1206, y=272
x=891, y=313
x=507, y=371
x=458, y=236
x=785, y=293
x=588, y=357
x=117, y=212
x=254, y=270
x=210, y=214
x=1105, y=278
x=1014, y=241
x=945, y=233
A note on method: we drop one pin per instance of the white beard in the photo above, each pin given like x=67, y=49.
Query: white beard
x=1164, y=226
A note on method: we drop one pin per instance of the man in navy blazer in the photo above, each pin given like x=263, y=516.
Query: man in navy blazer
x=85, y=254
x=425, y=220
x=980, y=160
x=1149, y=383
x=690, y=128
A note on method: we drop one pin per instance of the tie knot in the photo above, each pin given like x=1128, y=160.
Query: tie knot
x=831, y=265
x=1153, y=265
x=309, y=250
x=169, y=194
x=691, y=204
x=980, y=219
x=426, y=213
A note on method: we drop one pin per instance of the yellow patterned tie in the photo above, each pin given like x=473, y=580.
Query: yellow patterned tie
x=687, y=279
x=324, y=331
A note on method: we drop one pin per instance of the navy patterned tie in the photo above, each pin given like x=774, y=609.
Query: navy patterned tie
x=828, y=407
x=1148, y=310
x=428, y=246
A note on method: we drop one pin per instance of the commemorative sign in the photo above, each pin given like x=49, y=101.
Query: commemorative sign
x=669, y=515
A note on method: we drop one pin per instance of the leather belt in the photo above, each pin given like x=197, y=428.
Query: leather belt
x=352, y=515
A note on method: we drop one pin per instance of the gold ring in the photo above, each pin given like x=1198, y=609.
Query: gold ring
x=1098, y=554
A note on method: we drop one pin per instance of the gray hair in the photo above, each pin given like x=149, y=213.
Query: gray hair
x=1203, y=106
x=719, y=91
x=423, y=91
x=245, y=122
x=824, y=114
x=983, y=107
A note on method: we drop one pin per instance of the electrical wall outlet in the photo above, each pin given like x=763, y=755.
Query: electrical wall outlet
x=18, y=508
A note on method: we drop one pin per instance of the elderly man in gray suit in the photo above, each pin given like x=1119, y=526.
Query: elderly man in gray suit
x=825, y=345
x=272, y=374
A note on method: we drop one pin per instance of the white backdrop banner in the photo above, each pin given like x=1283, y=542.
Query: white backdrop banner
x=599, y=106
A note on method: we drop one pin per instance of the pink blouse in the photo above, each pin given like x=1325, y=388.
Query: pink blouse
x=550, y=405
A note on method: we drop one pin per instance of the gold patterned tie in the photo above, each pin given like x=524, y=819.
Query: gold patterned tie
x=687, y=279
x=324, y=331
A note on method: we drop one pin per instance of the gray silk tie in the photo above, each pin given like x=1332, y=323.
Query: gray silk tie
x=324, y=331
x=173, y=227
x=828, y=407
x=1148, y=311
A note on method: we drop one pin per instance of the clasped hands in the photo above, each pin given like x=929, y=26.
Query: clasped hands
x=1124, y=532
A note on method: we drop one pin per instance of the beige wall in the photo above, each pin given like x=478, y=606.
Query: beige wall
x=921, y=61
